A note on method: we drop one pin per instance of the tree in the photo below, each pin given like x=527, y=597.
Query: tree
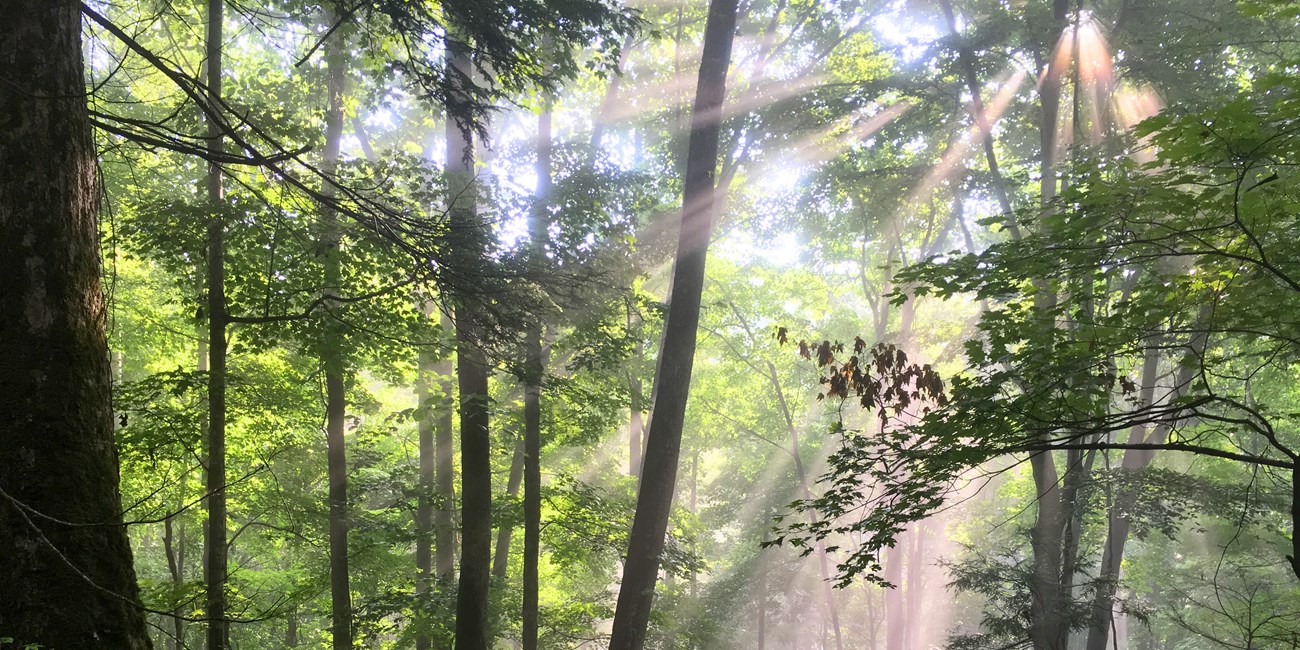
x=67, y=567
x=215, y=544
x=663, y=442
x=333, y=356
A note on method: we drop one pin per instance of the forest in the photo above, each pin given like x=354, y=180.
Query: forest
x=650, y=324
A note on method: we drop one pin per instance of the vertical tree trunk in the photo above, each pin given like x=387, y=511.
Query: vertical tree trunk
x=915, y=594
x=535, y=363
x=1047, y=541
x=1134, y=460
x=60, y=586
x=174, y=547
x=636, y=423
x=505, y=530
x=663, y=446
x=424, y=509
x=762, y=589
x=444, y=447
x=332, y=354
x=291, y=629
x=472, y=631
x=823, y=560
x=215, y=545
x=1047, y=534
x=895, y=618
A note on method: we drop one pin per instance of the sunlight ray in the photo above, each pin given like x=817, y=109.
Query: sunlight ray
x=828, y=142
x=1008, y=84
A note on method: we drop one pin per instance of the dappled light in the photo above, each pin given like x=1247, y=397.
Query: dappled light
x=649, y=325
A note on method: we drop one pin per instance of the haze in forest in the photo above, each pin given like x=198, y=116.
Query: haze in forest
x=662, y=324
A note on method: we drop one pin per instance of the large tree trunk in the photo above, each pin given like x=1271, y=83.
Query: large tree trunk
x=61, y=586
x=1047, y=541
x=534, y=367
x=214, y=543
x=663, y=445
x=1047, y=535
x=472, y=629
x=332, y=354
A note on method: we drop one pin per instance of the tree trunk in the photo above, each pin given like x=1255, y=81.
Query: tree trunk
x=535, y=364
x=63, y=586
x=291, y=629
x=636, y=422
x=1134, y=460
x=895, y=618
x=762, y=589
x=332, y=353
x=1047, y=541
x=915, y=594
x=426, y=363
x=1047, y=534
x=174, y=547
x=663, y=446
x=505, y=530
x=472, y=631
x=444, y=448
x=823, y=560
x=214, y=544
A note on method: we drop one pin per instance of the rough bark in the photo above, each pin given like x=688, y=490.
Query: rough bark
x=663, y=445
x=472, y=628
x=61, y=585
x=214, y=543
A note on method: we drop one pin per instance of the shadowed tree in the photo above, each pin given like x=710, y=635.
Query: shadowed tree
x=672, y=385
x=65, y=566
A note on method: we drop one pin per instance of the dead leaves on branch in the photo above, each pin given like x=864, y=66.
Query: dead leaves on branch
x=881, y=377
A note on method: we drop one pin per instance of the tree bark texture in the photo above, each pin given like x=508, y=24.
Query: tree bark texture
x=66, y=575
x=672, y=386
